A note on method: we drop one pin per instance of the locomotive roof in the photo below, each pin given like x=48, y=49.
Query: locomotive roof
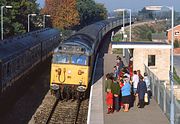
x=16, y=45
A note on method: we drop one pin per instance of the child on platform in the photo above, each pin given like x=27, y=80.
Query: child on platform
x=109, y=95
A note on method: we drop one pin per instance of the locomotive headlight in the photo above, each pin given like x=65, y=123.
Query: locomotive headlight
x=55, y=87
x=69, y=71
x=80, y=82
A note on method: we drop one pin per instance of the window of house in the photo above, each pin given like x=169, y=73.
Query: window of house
x=176, y=33
x=151, y=60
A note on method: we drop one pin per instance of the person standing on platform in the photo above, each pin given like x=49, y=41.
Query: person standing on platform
x=109, y=95
x=131, y=67
x=139, y=73
x=141, y=90
x=119, y=64
x=116, y=93
x=126, y=94
x=146, y=80
x=115, y=72
x=135, y=81
x=121, y=84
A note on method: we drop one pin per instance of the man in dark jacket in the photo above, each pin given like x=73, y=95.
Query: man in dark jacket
x=141, y=90
x=116, y=92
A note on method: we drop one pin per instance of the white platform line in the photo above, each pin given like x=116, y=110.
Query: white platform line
x=89, y=109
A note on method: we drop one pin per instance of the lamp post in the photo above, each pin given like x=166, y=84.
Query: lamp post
x=44, y=20
x=123, y=10
x=2, y=7
x=29, y=21
x=172, y=57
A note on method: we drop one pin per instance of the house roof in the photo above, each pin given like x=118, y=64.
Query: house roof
x=174, y=27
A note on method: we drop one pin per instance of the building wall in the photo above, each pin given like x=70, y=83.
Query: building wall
x=162, y=61
x=176, y=36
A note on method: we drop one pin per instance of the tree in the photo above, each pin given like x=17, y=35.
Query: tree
x=15, y=19
x=90, y=12
x=63, y=13
x=176, y=43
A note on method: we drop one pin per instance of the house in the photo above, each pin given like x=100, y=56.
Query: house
x=176, y=33
x=176, y=38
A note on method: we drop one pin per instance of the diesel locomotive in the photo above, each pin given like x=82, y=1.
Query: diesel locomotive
x=73, y=60
x=18, y=55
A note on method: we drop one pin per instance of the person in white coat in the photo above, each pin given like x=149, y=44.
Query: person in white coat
x=146, y=80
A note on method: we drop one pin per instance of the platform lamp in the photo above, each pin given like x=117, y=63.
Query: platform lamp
x=2, y=7
x=29, y=21
x=158, y=8
x=123, y=10
x=44, y=20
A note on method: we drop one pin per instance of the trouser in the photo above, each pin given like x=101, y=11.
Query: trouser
x=149, y=96
x=116, y=103
x=141, y=103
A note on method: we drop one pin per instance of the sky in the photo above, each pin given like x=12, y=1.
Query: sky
x=135, y=5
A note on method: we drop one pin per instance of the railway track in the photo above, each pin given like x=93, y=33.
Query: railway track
x=63, y=112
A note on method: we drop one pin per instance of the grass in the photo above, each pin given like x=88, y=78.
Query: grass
x=117, y=37
x=176, y=77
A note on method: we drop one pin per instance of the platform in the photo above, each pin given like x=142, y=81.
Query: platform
x=151, y=114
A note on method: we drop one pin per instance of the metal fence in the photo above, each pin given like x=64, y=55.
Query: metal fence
x=161, y=93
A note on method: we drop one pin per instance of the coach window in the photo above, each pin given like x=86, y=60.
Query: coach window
x=8, y=69
x=151, y=60
x=4, y=71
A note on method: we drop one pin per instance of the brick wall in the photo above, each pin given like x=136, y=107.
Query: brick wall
x=162, y=61
x=176, y=36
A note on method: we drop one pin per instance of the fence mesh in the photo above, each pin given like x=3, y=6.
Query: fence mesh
x=161, y=93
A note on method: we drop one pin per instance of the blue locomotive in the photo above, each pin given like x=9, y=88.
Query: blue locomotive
x=73, y=60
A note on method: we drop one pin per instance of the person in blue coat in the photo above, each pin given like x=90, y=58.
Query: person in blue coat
x=126, y=93
x=141, y=90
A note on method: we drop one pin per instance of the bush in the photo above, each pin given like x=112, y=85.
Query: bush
x=176, y=43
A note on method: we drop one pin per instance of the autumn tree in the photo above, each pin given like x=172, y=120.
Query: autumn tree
x=63, y=13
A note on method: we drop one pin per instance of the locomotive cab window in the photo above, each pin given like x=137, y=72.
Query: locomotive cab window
x=79, y=59
x=60, y=58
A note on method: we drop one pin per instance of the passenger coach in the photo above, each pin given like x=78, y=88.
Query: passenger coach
x=18, y=55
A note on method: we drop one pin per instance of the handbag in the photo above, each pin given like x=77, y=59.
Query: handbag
x=146, y=97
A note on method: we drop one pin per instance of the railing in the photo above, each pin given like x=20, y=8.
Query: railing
x=161, y=93
x=127, y=56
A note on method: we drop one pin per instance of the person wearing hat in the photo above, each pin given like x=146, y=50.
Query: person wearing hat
x=141, y=90
x=126, y=93
x=116, y=93
x=109, y=95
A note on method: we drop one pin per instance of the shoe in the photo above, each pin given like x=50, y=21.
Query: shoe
x=125, y=110
x=108, y=112
x=117, y=110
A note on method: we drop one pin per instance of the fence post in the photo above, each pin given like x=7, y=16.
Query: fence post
x=158, y=85
x=153, y=83
x=165, y=97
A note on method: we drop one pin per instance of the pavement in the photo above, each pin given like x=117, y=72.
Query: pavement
x=151, y=114
x=177, y=64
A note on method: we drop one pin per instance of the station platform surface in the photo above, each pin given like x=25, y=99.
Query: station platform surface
x=151, y=114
